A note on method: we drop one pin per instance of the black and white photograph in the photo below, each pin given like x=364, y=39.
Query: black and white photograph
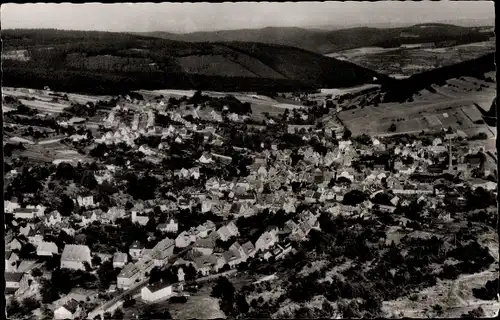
x=250, y=160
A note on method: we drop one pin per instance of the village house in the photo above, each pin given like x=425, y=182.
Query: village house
x=202, y=231
x=120, y=259
x=184, y=239
x=11, y=259
x=232, y=257
x=15, y=244
x=184, y=203
x=53, y=218
x=162, y=252
x=205, y=158
x=112, y=214
x=248, y=250
x=266, y=240
x=485, y=184
x=129, y=275
x=85, y=201
x=13, y=281
x=204, y=264
x=88, y=217
x=228, y=231
x=139, y=218
x=171, y=227
x=25, y=213
x=70, y=310
x=157, y=291
x=74, y=256
x=9, y=206
x=136, y=250
x=204, y=246
x=46, y=249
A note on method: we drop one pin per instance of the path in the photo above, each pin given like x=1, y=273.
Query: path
x=49, y=141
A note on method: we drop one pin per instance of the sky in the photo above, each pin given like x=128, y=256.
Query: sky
x=191, y=17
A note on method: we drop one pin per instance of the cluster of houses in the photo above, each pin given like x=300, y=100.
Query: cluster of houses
x=317, y=179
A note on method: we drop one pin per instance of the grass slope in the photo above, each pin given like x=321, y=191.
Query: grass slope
x=104, y=62
x=404, y=88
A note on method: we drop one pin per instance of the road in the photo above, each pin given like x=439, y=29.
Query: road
x=49, y=141
x=130, y=291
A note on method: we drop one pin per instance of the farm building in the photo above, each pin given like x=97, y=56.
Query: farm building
x=473, y=113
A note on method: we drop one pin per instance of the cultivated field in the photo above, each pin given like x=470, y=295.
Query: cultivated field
x=428, y=111
x=408, y=61
x=46, y=103
x=50, y=150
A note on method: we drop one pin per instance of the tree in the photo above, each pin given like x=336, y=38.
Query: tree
x=354, y=197
x=96, y=260
x=223, y=289
x=88, y=180
x=36, y=272
x=65, y=171
x=392, y=127
x=67, y=205
x=347, y=134
x=13, y=307
x=47, y=314
x=118, y=314
x=242, y=304
x=29, y=304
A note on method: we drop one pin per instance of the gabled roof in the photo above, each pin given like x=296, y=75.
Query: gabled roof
x=47, y=246
x=136, y=245
x=248, y=247
x=120, y=257
x=13, y=276
x=75, y=252
x=157, y=286
x=71, y=305
x=231, y=255
x=204, y=243
x=204, y=261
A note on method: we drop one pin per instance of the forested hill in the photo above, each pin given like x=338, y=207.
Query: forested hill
x=326, y=41
x=105, y=62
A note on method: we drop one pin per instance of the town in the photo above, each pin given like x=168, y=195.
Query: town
x=167, y=194
x=322, y=160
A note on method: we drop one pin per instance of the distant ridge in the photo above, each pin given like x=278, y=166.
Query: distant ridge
x=328, y=41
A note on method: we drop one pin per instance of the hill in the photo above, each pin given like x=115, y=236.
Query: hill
x=328, y=41
x=404, y=88
x=105, y=63
x=460, y=96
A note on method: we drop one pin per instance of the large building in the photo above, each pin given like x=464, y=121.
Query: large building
x=74, y=256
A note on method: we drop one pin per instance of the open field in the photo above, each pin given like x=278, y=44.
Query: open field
x=428, y=111
x=42, y=101
x=336, y=92
x=408, y=61
x=49, y=151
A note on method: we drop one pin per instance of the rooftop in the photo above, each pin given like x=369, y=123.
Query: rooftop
x=75, y=252
x=13, y=276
